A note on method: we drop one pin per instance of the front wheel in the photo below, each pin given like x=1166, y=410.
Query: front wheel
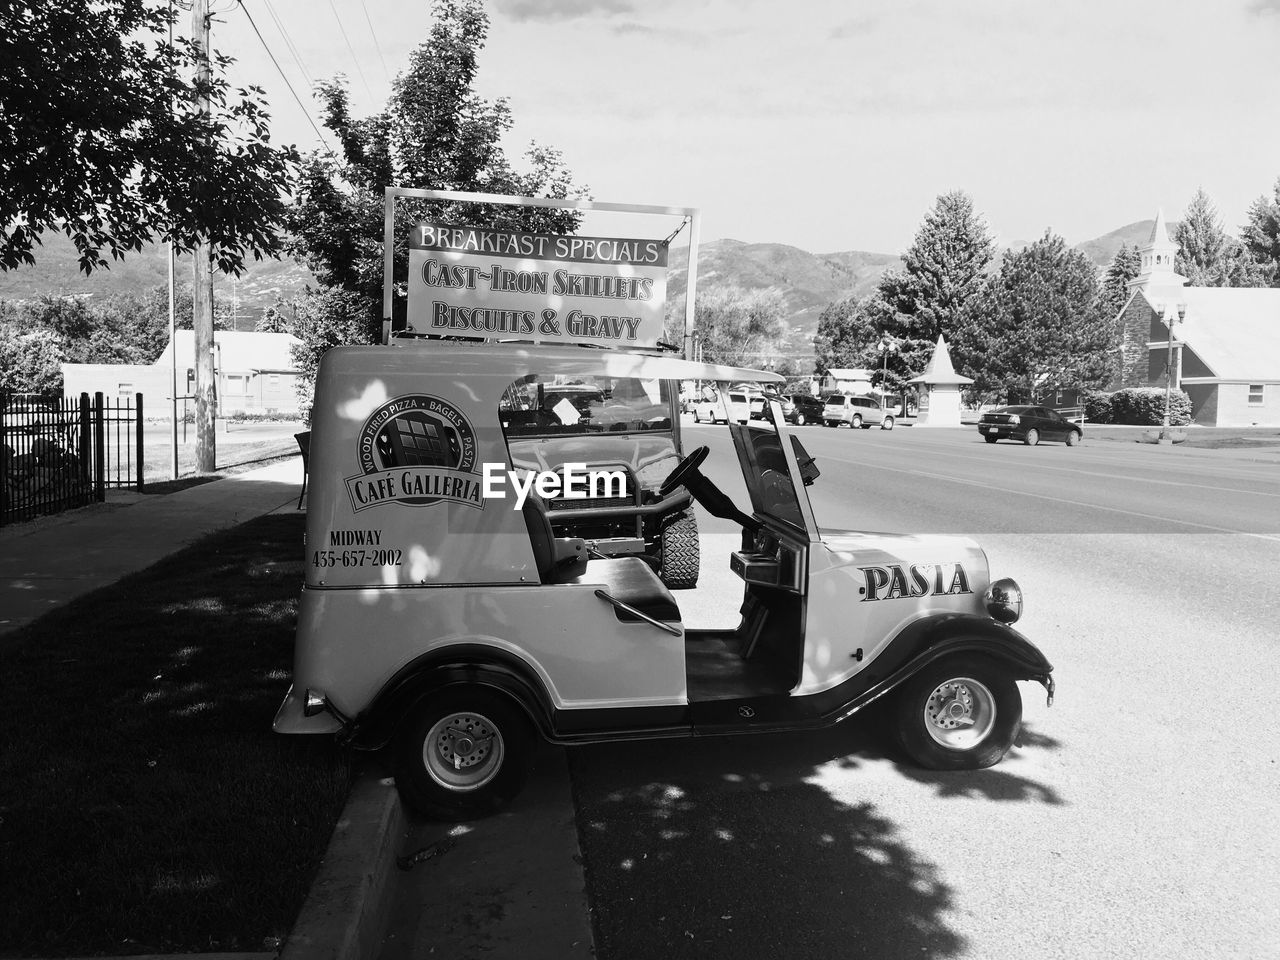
x=961, y=713
x=1072, y=438
x=800, y=421
x=462, y=753
x=1032, y=437
x=887, y=424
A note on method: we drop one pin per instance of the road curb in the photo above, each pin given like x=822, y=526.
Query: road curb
x=346, y=910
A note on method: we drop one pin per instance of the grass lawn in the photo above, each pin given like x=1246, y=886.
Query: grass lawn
x=145, y=804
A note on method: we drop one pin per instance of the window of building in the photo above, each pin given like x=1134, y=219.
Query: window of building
x=1255, y=393
x=124, y=390
x=236, y=385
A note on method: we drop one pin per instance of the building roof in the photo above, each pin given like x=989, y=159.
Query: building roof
x=238, y=351
x=1234, y=330
x=939, y=369
x=849, y=373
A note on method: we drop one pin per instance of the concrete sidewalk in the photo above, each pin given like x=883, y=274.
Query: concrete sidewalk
x=47, y=562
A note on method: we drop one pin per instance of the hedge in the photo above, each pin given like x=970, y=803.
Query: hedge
x=1142, y=406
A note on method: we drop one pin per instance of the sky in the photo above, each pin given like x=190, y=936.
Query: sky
x=834, y=125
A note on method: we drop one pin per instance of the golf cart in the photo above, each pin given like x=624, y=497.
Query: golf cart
x=443, y=618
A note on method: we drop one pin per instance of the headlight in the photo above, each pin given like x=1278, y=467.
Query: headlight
x=1004, y=600
x=1015, y=419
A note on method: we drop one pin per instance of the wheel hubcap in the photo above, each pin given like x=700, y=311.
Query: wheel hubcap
x=960, y=713
x=463, y=751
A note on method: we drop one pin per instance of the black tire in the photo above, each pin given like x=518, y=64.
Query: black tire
x=830, y=423
x=963, y=686
x=469, y=715
x=800, y=421
x=679, y=555
x=856, y=422
x=1032, y=437
x=1073, y=437
x=887, y=423
x=697, y=418
x=991, y=439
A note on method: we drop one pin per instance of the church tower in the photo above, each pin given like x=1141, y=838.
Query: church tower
x=1158, y=259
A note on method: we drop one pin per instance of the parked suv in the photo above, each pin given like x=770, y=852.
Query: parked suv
x=801, y=408
x=861, y=412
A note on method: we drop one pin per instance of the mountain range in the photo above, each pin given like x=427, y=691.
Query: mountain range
x=807, y=281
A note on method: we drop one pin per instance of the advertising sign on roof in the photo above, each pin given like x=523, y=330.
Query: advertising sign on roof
x=478, y=282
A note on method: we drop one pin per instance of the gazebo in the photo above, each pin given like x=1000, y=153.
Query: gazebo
x=940, y=396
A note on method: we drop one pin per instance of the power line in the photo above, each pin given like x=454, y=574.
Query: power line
x=283, y=77
x=350, y=49
x=288, y=41
x=369, y=20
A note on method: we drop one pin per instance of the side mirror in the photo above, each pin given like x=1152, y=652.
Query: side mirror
x=809, y=471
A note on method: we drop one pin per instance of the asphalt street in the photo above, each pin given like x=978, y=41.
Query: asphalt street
x=1134, y=818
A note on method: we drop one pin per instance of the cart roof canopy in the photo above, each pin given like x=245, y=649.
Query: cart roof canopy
x=425, y=356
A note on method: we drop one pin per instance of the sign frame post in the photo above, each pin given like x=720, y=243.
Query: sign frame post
x=691, y=215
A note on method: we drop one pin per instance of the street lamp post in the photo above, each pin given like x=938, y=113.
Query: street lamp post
x=886, y=346
x=1165, y=435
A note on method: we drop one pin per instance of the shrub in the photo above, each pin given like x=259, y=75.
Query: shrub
x=1145, y=406
x=1097, y=406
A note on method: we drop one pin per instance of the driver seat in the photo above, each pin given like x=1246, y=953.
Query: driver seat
x=557, y=558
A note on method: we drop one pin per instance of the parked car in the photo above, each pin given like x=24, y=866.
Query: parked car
x=743, y=405
x=801, y=408
x=861, y=412
x=1028, y=424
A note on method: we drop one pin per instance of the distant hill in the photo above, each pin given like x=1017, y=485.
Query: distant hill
x=807, y=281
x=57, y=273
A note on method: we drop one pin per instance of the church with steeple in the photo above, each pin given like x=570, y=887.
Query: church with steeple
x=1225, y=340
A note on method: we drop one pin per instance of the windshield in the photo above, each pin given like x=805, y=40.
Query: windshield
x=548, y=406
x=764, y=468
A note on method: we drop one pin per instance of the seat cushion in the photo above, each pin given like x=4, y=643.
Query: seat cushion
x=632, y=581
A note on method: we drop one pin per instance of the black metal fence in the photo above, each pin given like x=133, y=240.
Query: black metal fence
x=56, y=454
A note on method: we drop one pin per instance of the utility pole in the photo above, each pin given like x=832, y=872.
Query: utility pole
x=202, y=280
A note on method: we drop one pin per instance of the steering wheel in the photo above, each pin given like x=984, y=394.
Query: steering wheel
x=678, y=476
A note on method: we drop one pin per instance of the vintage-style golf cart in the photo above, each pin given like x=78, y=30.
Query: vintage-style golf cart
x=439, y=620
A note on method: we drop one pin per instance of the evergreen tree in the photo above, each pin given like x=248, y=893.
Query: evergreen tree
x=1042, y=325
x=1122, y=270
x=1202, y=244
x=1261, y=235
x=435, y=133
x=944, y=268
x=846, y=332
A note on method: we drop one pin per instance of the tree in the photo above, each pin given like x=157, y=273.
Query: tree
x=847, y=333
x=1123, y=269
x=30, y=360
x=738, y=327
x=944, y=269
x=1042, y=325
x=1261, y=235
x=1202, y=243
x=434, y=132
x=323, y=319
x=134, y=160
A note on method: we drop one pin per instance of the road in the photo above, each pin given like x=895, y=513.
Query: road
x=1134, y=818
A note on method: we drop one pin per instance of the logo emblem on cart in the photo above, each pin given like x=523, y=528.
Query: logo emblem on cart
x=901, y=581
x=746, y=712
x=417, y=450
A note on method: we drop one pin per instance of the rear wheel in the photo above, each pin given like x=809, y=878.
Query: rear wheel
x=991, y=439
x=462, y=753
x=1032, y=437
x=887, y=423
x=961, y=713
x=856, y=421
x=697, y=417
x=679, y=554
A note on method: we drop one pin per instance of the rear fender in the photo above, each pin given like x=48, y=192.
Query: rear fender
x=463, y=664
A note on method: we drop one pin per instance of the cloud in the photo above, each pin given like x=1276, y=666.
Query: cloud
x=554, y=11
x=855, y=27
x=1261, y=7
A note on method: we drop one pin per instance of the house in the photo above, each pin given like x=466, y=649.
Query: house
x=1225, y=348
x=253, y=373
x=847, y=380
